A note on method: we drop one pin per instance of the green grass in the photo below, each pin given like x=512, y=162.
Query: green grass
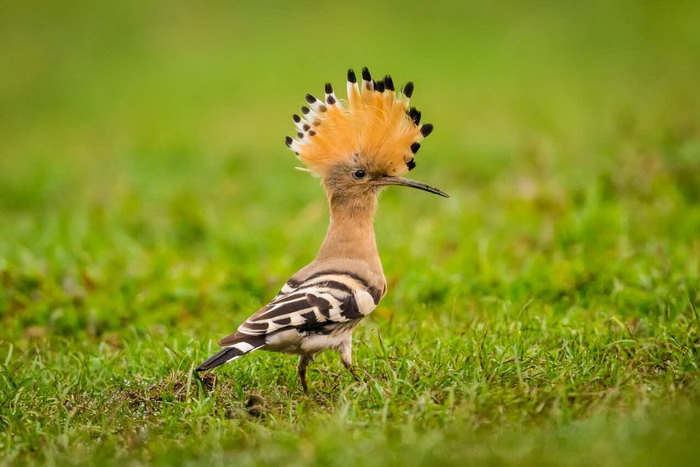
x=547, y=313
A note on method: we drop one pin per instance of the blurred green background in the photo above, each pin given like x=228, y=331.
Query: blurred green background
x=148, y=205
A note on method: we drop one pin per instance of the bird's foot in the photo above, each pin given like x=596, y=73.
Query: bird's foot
x=354, y=374
x=304, y=386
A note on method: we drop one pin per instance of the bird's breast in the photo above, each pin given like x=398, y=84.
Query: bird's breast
x=332, y=337
x=287, y=341
x=295, y=341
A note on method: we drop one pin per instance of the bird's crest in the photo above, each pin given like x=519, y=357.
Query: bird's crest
x=376, y=125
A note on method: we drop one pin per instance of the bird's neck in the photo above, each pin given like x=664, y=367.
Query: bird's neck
x=351, y=231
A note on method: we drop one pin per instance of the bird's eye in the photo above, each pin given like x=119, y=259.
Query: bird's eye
x=358, y=174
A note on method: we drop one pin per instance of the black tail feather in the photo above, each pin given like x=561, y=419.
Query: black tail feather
x=220, y=358
x=229, y=353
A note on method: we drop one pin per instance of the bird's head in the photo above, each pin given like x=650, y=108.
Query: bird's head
x=362, y=145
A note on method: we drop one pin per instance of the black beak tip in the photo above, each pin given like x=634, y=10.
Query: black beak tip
x=412, y=184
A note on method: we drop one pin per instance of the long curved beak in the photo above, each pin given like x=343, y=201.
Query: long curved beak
x=385, y=181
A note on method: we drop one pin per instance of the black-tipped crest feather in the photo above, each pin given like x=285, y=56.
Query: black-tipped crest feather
x=408, y=89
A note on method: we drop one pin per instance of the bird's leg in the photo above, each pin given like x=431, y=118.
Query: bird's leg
x=346, y=358
x=304, y=361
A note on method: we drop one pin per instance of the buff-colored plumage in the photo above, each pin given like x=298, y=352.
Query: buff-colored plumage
x=375, y=124
x=358, y=148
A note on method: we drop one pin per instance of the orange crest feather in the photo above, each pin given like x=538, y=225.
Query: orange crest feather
x=375, y=127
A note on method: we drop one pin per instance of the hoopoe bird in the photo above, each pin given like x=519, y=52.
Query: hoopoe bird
x=356, y=148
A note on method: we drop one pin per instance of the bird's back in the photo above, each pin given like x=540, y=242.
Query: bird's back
x=316, y=299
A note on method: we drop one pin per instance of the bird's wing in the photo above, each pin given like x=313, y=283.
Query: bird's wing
x=322, y=298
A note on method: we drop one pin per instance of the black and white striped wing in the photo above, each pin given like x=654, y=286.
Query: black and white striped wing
x=324, y=298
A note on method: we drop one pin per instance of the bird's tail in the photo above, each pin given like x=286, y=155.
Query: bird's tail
x=242, y=346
